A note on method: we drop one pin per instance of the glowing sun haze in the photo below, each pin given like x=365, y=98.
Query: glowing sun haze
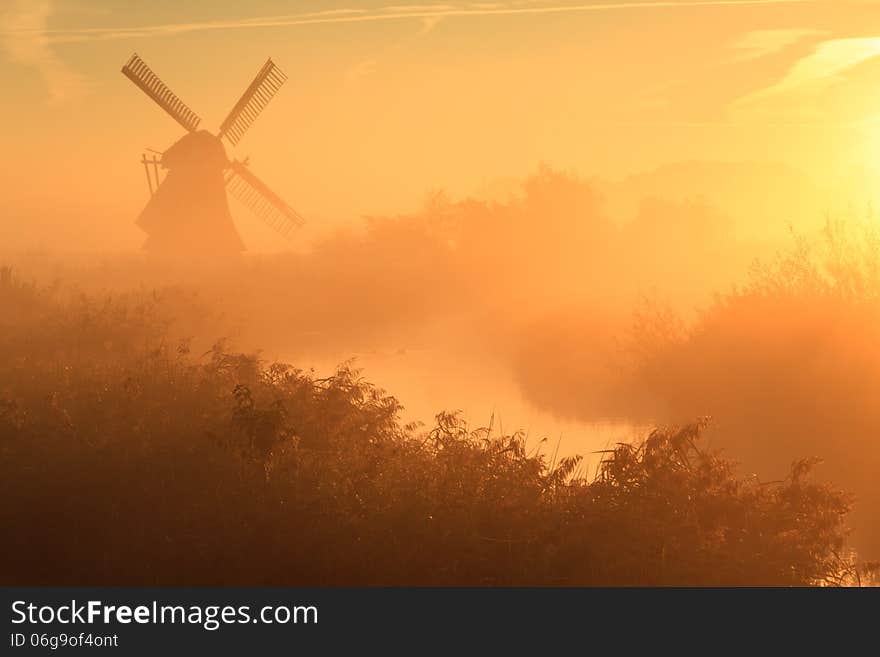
x=385, y=102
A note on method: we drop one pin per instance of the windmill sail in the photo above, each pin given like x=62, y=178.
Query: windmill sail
x=261, y=200
x=138, y=72
x=255, y=98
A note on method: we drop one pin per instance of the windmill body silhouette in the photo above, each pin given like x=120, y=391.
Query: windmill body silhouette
x=188, y=213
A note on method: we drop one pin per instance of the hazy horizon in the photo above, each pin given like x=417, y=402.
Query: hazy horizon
x=386, y=103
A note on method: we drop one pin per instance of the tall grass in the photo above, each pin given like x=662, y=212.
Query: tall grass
x=129, y=458
x=785, y=364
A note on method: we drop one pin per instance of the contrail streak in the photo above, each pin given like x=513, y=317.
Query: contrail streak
x=342, y=16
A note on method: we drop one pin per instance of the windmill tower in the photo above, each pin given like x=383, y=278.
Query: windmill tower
x=188, y=213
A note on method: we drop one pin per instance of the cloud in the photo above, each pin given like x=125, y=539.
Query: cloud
x=818, y=71
x=428, y=25
x=761, y=43
x=368, y=67
x=391, y=12
x=23, y=36
x=360, y=70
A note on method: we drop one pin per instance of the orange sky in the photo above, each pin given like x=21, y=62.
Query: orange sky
x=384, y=103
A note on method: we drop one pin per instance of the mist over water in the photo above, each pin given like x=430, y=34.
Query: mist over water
x=546, y=311
x=570, y=309
x=429, y=377
x=358, y=330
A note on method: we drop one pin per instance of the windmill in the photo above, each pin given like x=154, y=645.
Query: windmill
x=188, y=211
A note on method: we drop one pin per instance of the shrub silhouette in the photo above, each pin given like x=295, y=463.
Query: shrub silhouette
x=129, y=460
x=787, y=364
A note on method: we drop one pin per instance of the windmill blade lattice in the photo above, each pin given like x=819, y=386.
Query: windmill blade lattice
x=261, y=200
x=138, y=72
x=252, y=102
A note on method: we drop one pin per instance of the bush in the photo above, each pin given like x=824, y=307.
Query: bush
x=787, y=364
x=129, y=460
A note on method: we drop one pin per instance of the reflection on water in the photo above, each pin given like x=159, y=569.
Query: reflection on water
x=427, y=381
